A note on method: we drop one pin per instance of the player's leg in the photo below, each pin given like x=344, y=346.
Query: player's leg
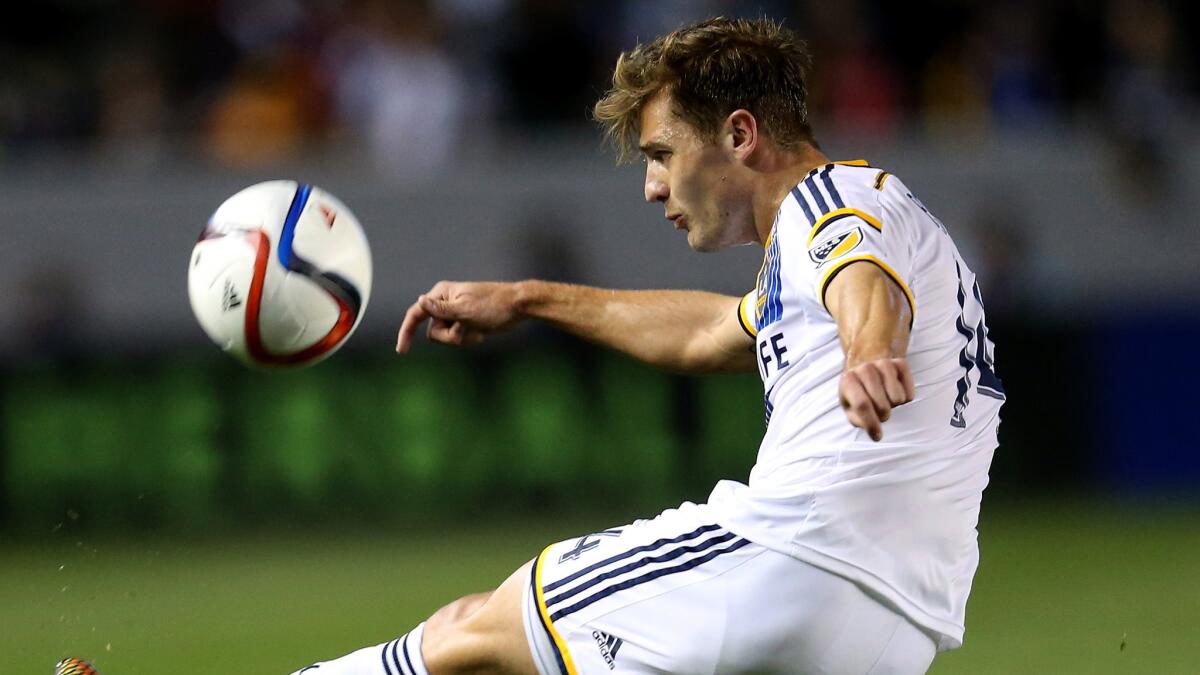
x=480, y=633
x=455, y=611
x=485, y=635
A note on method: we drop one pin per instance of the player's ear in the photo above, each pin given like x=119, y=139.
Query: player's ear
x=741, y=133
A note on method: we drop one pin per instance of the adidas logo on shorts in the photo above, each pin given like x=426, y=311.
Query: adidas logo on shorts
x=608, y=645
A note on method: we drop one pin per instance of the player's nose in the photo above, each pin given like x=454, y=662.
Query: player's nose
x=656, y=188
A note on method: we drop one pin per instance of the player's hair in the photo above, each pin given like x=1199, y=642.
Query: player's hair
x=710, y=69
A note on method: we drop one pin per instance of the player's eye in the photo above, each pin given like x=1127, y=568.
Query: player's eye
x=655, y=156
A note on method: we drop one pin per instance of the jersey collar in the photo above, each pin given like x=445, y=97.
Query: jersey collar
x=843, y=162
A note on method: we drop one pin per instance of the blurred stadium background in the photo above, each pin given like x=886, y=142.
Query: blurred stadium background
x=163, y=510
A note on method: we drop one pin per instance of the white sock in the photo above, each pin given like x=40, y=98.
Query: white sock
x=401, y=656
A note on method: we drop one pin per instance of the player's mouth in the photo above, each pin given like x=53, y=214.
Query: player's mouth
x=678, y=220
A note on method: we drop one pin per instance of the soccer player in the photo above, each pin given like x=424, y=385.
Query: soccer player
x=852, y=547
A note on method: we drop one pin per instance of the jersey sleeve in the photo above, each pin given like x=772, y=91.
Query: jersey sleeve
x=850, y=235
x=745, y=313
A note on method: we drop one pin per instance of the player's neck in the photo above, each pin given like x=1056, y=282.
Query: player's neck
x=792, y=166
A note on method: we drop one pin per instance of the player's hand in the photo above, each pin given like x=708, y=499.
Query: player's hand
x=869, y=390
x=460, y=313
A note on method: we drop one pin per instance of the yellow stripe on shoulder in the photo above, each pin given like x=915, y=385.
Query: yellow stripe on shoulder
x=881, y=179
x=853, y=162
x=839, y=214
x=841, y=265
x=746, y=318
x=545, y=612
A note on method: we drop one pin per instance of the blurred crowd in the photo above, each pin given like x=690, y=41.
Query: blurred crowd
x=253, y=81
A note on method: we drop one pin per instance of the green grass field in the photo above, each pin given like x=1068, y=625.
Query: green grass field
x=1061, y=589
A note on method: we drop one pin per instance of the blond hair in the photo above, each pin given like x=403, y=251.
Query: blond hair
x=710, y=69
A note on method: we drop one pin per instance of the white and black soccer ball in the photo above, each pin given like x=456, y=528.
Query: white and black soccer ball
x=281, y=275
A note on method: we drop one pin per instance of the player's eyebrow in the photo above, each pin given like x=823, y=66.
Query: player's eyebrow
x=652, y=146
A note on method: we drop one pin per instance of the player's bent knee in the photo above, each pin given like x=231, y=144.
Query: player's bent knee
x=449, y=644
x=482, y=633
x=456, y=611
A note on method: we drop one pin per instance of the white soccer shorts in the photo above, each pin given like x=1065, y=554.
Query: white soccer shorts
x=681, y=594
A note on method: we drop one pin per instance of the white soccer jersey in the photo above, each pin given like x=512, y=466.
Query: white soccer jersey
x=897, y=516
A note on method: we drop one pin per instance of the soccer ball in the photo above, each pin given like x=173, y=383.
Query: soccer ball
x=281, y=274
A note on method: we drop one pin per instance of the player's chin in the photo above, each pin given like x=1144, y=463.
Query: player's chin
x=701, y=243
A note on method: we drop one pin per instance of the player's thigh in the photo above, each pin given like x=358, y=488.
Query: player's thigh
x=483, y=633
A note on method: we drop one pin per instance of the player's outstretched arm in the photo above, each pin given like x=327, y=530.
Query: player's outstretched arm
x=873, y=318
x=684, y=331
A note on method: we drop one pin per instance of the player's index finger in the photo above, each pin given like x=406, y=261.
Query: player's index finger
x=863, y=414
x=412, y=319
x=867, y=419
x=860, y=409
